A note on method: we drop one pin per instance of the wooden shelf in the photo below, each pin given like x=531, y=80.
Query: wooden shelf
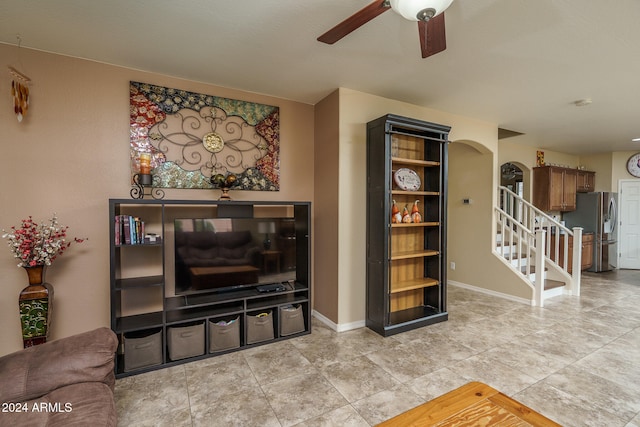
x=414, y=162
x=413, y=254
x=140, y=245
x=411, y=314
x=139, y=321
x=415, y=193
x=413, y=224
x=139, y=282
x=413, y=284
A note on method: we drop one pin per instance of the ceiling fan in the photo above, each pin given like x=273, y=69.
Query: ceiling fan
x=428, y=13
x=511, y=171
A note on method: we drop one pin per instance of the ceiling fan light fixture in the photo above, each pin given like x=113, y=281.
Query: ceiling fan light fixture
x=419, y=10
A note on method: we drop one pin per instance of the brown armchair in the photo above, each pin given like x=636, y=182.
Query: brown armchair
x=67, y=382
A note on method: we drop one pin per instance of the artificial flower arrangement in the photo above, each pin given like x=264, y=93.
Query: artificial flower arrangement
x=38, y=243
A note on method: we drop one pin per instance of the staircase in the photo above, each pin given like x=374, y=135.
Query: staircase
x=525, y=241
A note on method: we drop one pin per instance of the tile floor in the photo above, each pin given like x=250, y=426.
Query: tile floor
x=577, y=361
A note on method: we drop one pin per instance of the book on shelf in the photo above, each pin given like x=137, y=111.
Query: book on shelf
x=130, y=230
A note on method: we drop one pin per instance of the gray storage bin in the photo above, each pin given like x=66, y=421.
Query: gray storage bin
x=224, y=336
x=259, y=327
x=185, y=341
x=142, y=349
x=291, y=320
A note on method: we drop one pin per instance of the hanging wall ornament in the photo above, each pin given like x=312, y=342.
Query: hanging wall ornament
x=19, y=93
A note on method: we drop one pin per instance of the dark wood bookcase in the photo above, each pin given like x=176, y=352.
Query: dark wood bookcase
x=406, y=262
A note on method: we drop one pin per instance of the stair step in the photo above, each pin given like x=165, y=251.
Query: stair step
x=516, y=255
x=552, y=284
x=533, y=270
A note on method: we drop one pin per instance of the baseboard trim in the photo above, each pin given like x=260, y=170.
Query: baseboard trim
x=492, y=293
x=338, y=327
x=555, y=292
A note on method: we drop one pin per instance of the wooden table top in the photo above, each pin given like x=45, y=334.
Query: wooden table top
x=474, y=404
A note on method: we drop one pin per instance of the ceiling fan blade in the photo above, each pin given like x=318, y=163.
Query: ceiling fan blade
x=433, y=38
x=354, y=22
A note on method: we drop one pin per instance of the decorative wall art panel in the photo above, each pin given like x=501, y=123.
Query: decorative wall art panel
x=192, y=137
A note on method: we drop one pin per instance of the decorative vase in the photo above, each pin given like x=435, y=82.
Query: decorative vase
x=36, y=306
x=225, y=193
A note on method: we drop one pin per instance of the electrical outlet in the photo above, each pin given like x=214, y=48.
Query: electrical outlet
x=452, y=264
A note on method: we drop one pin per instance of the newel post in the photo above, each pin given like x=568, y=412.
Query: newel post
x=577, y=261
x=539, y=285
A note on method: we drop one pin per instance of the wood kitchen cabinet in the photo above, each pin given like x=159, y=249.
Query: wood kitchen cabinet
x=587, y=251
x=554, y=188
x=586, y=181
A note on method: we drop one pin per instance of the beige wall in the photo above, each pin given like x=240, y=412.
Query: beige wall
x=327, y=176
x=70, y=155
x=601, y=164
x=470, y=226
x=519, y=149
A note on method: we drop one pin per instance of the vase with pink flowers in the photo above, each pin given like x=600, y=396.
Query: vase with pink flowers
x=36, y=245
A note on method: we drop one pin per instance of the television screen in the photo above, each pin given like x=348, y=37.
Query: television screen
x=221, y=254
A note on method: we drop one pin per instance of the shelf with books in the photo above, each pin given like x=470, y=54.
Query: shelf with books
x=131, y=230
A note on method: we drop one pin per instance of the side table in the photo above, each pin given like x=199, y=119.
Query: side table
x=271, y=257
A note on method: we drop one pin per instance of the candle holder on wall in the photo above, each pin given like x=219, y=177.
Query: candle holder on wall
x=143, y=182
x=143, y=179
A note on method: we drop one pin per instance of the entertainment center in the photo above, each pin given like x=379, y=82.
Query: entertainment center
x=192, y=279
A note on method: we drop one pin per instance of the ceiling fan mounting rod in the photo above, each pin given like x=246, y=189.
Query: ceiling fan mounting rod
x=426, y=14
x=422, y=15
x=418, y=10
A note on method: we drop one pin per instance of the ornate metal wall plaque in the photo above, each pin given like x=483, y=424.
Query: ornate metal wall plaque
x=193, y=136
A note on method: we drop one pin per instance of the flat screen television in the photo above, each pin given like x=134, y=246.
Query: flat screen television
x=223, y=254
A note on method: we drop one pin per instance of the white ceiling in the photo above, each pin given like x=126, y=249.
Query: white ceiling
x=517, y=63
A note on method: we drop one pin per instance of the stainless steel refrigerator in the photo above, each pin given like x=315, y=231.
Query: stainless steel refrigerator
x=597, y=213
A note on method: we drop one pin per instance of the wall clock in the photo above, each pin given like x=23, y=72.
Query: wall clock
x=633, y=165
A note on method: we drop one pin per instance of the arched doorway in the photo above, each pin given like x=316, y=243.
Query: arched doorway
x=512, y=177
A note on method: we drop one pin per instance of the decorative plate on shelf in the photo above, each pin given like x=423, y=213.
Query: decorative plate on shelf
x=407, y=179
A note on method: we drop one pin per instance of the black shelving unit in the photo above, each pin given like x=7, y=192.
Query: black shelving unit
x=406, y=262
x=140, y=273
